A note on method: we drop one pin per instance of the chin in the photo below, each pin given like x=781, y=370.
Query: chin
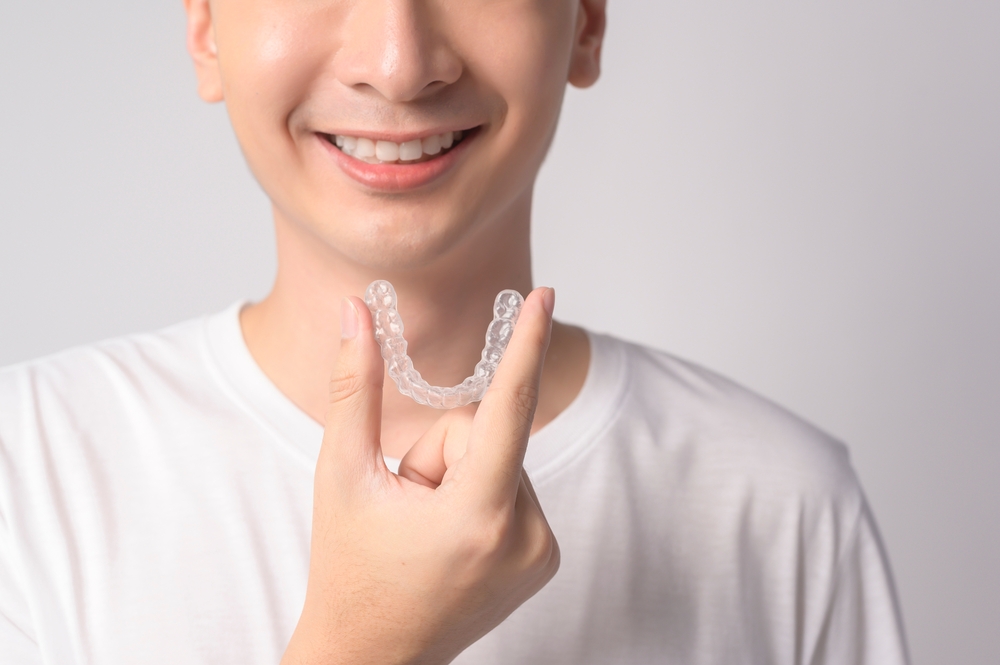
x=405, y=246
x=394, y=259
x=395, y=236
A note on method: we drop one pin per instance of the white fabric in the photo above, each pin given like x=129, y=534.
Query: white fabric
x=155, y=503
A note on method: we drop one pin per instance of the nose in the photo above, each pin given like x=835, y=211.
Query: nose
x=395, y=48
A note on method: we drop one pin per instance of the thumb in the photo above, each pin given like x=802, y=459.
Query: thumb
x=352, y=448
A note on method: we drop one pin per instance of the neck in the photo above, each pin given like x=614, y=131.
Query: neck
x=445, y=304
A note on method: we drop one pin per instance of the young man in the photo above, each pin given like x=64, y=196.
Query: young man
x=208, y=494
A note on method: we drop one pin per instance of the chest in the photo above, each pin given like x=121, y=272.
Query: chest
x=200, y=561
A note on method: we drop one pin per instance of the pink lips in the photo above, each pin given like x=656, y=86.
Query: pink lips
x=397, y=177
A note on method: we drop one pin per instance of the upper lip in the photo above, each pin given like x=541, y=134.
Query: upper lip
x=396, y=136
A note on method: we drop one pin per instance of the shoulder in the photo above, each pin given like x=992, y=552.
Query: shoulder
x=102, y=360
x=731, y=434
x=79, y=387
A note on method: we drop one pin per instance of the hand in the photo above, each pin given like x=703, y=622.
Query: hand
x=415, y=567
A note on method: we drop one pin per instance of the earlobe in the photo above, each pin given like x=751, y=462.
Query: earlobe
x=201, y=46
x=585, y=64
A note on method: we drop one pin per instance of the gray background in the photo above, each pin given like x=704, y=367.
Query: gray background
x=803, y=196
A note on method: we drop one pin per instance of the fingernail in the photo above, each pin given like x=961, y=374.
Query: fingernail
x=549, y=300
x=348, y=319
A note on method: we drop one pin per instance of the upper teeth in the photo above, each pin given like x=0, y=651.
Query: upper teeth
x=387, y=151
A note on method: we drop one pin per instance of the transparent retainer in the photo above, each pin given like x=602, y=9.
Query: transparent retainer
x=381, y=300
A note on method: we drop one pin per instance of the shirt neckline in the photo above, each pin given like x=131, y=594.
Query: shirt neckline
x=549, y=449
x=248, y=385
x=572, y=432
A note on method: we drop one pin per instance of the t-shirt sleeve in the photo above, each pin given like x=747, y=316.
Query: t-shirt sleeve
x=863, y=624
x=17, y=645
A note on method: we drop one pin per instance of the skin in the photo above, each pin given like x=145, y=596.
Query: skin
x=291, y=71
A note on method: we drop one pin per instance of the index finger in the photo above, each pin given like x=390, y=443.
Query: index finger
x=500, y=430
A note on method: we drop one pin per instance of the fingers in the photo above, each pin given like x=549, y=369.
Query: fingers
x=437, y=450
x=526, y=482
x=538, y=548
x=502, y=423
x=351, y=442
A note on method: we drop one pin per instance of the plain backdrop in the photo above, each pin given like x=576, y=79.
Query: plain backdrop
x=802, y=196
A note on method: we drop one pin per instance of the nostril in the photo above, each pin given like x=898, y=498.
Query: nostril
x=394, y=49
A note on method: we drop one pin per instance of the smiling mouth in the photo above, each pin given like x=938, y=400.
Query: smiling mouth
x=389, y=152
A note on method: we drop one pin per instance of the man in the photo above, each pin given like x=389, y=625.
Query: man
x=209, y=494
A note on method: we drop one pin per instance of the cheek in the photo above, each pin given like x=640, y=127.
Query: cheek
x=522, y=52
x=269, y=58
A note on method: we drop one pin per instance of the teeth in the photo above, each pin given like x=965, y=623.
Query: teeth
x=366, y=148
x=388, y=151
x=410, y=150
x=432, y=144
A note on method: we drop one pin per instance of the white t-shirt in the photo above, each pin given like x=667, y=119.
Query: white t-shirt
x=156, y=500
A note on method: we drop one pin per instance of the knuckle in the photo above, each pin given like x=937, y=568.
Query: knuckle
x=522, y=400
x=497, y=534
x=552, y=566
x=344, y=384
x=491, y=537
x=542, y=550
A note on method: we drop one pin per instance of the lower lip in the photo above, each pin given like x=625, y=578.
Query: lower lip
x=398, y=177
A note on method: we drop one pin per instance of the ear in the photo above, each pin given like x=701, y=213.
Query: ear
x=585, y=62
x=201, y=46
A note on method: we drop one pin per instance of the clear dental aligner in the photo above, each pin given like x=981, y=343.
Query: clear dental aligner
x=381, y=300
